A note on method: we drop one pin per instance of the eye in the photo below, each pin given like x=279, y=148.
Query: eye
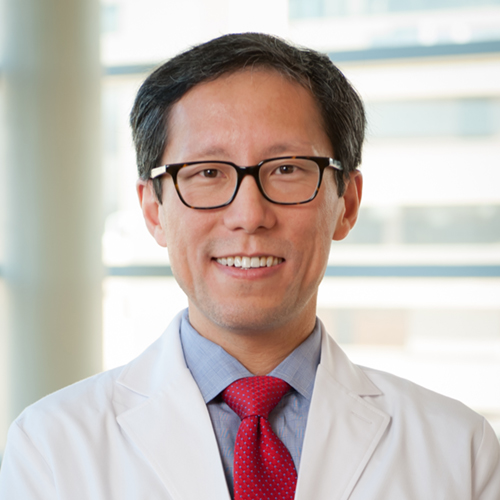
x=210, y=173
x=286, y=169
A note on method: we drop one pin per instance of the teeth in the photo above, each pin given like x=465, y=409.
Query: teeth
x=250, y=262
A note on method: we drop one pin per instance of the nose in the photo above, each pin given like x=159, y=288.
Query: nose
x=249, y=211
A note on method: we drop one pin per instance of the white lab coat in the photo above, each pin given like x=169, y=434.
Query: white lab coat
x=143, y=432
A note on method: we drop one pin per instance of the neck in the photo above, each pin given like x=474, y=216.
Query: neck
x=259, y=351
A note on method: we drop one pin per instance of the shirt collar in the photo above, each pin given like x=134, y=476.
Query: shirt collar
x=214, y=369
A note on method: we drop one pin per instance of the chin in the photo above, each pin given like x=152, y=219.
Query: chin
x=249, y=319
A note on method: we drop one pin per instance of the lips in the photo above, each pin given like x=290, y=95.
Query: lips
x=246, y=262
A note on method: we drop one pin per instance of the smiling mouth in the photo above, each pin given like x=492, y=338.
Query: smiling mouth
x=250, y=262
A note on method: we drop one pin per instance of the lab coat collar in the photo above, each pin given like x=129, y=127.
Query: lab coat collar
x=162, y=411
x=171, y=425
x=343, y=427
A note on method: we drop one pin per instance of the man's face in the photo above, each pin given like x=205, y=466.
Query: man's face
x=245, y=118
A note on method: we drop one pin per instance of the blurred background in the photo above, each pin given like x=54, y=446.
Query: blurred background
x=414, y=289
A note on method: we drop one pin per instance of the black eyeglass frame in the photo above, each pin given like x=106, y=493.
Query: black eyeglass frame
x=173, y=169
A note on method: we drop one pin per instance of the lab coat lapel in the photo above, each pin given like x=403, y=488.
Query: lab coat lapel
x=170, y=424
x=343, y=429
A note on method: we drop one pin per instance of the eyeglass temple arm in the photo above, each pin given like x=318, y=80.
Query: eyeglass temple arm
x=157, y=171
x=332, y=163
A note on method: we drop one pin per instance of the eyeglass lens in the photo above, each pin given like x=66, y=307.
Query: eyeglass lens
x=211, y=184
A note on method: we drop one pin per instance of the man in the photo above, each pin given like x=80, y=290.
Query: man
x=247, y=151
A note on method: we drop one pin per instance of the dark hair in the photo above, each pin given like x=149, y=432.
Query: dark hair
x=340, y=106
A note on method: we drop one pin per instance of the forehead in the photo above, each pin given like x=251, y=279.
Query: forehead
x=244, y=109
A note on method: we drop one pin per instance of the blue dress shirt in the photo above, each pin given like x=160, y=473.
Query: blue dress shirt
x=214, y=369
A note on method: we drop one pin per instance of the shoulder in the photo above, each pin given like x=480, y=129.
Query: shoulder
x=92, y=406
x=75, y=406
x=431, y=419
x=112, y=392
x=405, y=402
x=400, y=395
x=439, y=427
x=419, y=418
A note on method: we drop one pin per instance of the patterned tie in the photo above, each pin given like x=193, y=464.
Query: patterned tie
x=263, y=467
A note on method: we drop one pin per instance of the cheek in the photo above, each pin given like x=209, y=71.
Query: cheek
x=313, y=236
x=187, y=232
x=329, y=212
x=175, y=235
x=172, y=212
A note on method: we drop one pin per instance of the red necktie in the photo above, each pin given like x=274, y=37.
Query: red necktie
x=263, y=467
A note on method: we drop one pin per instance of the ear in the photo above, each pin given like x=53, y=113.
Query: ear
x=151, y=209
x=350, y=209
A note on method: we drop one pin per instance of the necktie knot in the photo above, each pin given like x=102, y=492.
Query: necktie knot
x=257, y=395
x=263, y=467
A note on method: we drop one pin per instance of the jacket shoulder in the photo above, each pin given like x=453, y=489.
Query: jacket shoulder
x=413, y=406
x=83, y=400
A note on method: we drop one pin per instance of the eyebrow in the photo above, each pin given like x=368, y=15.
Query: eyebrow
x=275, y=150
x=294, y=148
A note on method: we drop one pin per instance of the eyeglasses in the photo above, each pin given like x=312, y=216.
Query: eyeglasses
x=288, y=180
